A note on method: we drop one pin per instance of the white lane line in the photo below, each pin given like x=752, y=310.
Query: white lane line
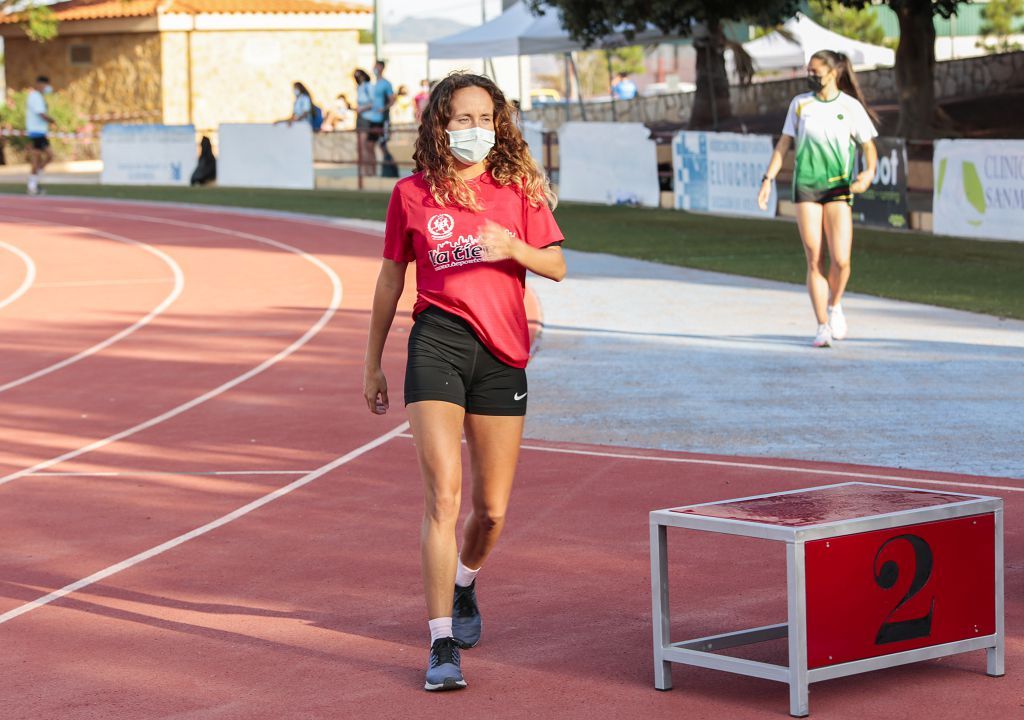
x=213, y=525
x=179, y=285
x=102, y=283
x=146, y=473
x=764, y=466
x=30, y=274
x=220, y=389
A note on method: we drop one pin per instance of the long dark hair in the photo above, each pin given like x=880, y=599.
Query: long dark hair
x=509, y=161
x=846, y=79
x=302, y=88
x=361, y=76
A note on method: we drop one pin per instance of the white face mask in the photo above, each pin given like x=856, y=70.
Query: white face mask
x=48, y=90
x=471, y=145
x=297, y=92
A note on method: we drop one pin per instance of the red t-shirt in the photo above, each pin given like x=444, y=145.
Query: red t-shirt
x=451, y=273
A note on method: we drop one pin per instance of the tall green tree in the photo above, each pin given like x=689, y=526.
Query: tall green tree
x=36, y=19
x=589, y=21
x=861, y=24
x=915, y=61
x=998, y=20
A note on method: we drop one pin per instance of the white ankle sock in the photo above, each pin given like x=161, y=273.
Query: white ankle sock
x=464, y=577
x=440, y=628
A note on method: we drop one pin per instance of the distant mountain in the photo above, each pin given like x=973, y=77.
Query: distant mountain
x=415, y=29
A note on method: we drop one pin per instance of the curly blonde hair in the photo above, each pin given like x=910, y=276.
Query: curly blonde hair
x=509, y=161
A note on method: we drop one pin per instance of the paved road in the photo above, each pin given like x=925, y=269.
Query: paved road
x=647, y=355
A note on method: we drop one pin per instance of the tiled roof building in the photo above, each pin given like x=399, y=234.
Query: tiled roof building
x=191, y=61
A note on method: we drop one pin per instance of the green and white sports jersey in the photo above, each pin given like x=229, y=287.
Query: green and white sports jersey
x=827, y=135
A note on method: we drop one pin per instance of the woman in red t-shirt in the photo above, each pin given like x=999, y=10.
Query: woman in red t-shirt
x=474, y=217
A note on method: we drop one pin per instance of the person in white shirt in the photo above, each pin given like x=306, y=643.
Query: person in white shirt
x=37, y=124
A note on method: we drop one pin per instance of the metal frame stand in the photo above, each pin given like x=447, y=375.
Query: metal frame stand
x=700, y=652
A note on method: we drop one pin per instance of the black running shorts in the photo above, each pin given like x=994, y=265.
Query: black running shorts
x=40, y=142
x=448, y=362
x=836, y=194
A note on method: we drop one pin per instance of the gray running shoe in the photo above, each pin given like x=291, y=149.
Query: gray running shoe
x=466, y=622
x=444, y=671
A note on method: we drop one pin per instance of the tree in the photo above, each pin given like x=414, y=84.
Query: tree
x=36, y=19
x=588, y=21
x=915, y=61
x=861, y=24
x=592, y=66
x=999, y=18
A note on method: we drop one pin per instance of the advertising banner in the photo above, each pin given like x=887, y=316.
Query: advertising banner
x=603, y=162
x=148, y=154
x=885, y=202
x=270, y=156
x=979, y=188
x=721, y=172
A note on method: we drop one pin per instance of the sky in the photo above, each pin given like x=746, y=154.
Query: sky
x=468, y=12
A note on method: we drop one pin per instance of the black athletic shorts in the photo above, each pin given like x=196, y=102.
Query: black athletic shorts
x=40, y=142
x=836, y=194
x=374, y=131
x=448, y=362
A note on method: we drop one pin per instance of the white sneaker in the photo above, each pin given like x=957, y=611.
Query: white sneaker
x=33, y=185
x=824, y=336
x=837, y=322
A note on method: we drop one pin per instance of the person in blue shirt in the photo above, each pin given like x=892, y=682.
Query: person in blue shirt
x=382, y=97
x=303, y=107
x=364, y=104
x=37, y=124
x=623, y=88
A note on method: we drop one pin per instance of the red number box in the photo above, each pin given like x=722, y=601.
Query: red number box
x=887, y=591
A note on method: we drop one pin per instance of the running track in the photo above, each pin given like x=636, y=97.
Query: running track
x=201, y=520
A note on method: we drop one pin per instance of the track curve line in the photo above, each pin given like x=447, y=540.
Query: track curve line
x=30, y=273
x=179, y=285
x=212, y=525
x=332, y=308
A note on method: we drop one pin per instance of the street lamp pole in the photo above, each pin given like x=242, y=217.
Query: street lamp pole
x=378, y=30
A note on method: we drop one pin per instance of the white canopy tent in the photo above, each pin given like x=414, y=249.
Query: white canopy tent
x=775, y=51
x=517, y=31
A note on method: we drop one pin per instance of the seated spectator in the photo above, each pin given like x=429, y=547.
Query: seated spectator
x=340, y=116
x=206, y=168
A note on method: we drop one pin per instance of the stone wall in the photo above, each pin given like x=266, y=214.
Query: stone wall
x=123, y=78
x=970, y=77
x=247, y=76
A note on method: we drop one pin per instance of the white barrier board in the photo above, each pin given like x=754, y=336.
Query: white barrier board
x=979, y=188
x=613, y=163
x=533, y=134
x=721, y=172
x=273, y=156
x=148, y=154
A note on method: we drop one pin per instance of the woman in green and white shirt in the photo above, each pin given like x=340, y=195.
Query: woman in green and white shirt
x=829, y=122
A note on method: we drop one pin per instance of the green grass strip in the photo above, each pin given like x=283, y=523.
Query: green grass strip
x=977, y=275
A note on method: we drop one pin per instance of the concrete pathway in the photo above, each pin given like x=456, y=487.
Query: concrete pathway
x=647, y=355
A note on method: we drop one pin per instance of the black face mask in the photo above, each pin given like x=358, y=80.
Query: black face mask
x=814, y=83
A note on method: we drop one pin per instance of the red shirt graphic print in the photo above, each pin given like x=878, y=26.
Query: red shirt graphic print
x=451, y=272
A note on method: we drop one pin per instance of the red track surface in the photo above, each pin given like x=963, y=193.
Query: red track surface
x=310, y=606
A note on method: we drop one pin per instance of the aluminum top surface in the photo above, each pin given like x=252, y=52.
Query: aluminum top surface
x=816, y=506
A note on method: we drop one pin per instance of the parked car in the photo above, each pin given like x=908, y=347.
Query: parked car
x=539, y=96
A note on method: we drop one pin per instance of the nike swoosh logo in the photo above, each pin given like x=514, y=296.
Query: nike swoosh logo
x=518, y=397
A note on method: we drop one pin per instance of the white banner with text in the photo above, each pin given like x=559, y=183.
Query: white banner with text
x=148, y=154
x=721, y=172
x=979, y=188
